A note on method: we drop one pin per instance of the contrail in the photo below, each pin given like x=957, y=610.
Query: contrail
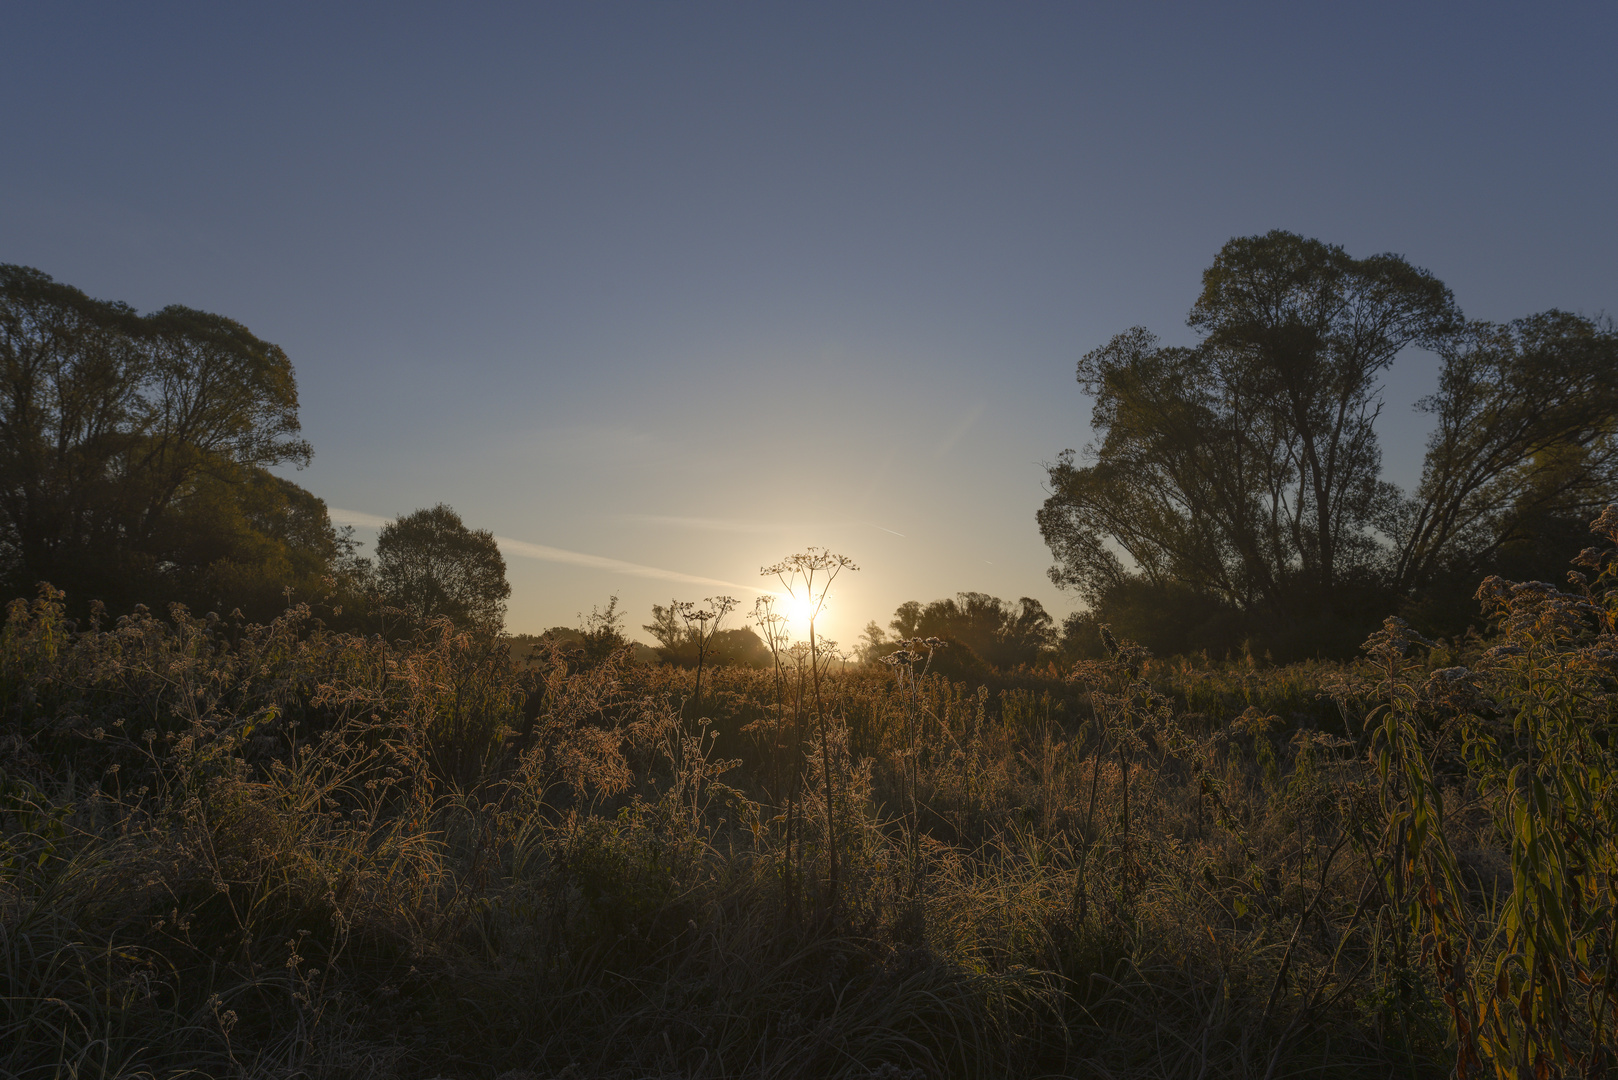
x=709, y=524
x=550, y=554
x=744, y=526
x=355, y=517
x=598, y=562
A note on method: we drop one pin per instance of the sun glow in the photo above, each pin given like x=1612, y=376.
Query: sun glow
x=798, y=610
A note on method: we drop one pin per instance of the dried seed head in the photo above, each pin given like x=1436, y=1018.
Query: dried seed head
x=1107, y=640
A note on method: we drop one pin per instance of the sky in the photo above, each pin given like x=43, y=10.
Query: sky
x=660, y=293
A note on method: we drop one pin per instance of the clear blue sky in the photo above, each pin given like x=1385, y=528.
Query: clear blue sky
x=691, y=286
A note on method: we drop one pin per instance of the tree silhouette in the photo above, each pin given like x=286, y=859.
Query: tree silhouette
x=1245, y=470
x=1001, y=634
x=1526, y=423
x=431, y=565
x=114, y=425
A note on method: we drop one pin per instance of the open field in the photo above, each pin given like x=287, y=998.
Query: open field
x=282, y=851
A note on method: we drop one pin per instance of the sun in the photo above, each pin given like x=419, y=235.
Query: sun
x=798, y=610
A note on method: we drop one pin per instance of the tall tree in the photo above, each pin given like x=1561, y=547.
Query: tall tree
x=430, y=565
x=1245, y=470
x=110, y=422
x=244, y=541
x=1307, y=331
x=1527, y=428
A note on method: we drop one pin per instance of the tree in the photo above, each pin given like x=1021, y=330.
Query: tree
x=601, y=633
x=872, y=644
x=669, y=633
x=430, y=565
x=1245, y=471
x=1527, y=417
x=598, y=637
x=1302, y=331
x=113, y=426
x=1026, y=633
x=244, y=541
x=906, y=622
x=739, y=647
x=1000, y=634
x=683, y=644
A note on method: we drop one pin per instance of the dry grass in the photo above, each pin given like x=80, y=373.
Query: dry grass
x=278, y=852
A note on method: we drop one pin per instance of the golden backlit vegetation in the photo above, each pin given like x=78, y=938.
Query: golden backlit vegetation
x=283, y=850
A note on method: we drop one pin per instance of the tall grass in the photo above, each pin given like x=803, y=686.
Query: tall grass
x=278, y=851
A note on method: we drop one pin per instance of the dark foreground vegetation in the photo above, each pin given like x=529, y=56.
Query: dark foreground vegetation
x=281, y=851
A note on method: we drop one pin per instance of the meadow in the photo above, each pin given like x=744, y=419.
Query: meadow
x=285, y=851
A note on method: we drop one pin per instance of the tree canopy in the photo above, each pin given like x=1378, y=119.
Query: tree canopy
x=430, y=565
x=1244, y=472
x=1000, y=634
x=134, y=452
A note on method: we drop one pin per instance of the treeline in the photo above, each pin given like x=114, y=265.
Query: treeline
x=136, y=458
x=135, y=469
x=977, y=634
